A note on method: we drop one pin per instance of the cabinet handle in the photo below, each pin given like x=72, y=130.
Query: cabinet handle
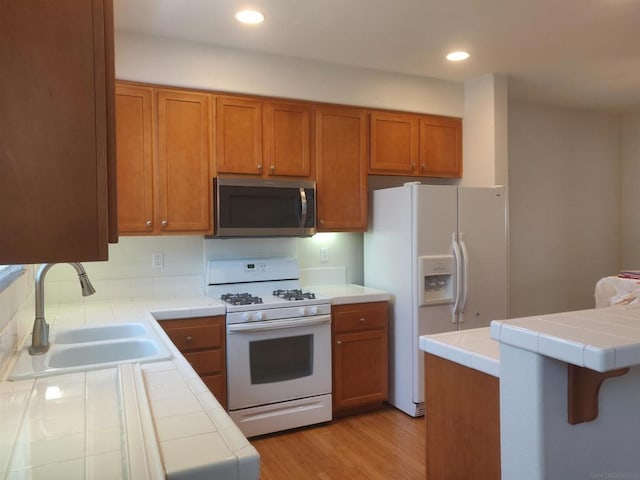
x=149, y=223
x=164, y=223
x=189, y=339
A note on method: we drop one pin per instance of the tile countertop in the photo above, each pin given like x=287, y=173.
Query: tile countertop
x=69, y=426
x=472, y=348
x=350, y=293
x=600, y=339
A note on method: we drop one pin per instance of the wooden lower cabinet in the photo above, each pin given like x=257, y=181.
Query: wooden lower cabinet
x=360, y=356
x=462, y=410
x=202, y=342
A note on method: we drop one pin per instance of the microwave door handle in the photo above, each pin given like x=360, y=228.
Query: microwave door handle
x=303, y=203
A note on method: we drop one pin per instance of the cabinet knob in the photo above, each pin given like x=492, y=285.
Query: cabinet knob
x=422, y=166
x=272, y=168
x=149, y=223
x=413, y=164
x=321, y=221
x=189, y=339
x=362, y=320
x=164, y=223
x=339, y=342
x=259, y=167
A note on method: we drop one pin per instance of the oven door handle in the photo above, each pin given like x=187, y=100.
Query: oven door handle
x=276, y=324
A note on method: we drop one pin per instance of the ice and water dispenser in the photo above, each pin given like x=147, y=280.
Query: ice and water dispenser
x=436, y=277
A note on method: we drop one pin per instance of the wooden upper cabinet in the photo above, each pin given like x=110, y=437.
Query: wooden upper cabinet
x=184, y=160
x=287, y=139
x=135, y=157
x=239, y=135
x=441, y=146
x=263, y=138
x=394, y=144
x=56, y=125
x=341, y=168
x=164, y=160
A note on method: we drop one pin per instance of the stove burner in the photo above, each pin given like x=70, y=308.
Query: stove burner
x=240, y=298
x=294, y=294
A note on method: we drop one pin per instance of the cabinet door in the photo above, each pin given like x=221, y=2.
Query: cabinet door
x=238, y=135
x=287, y=136
x=360, y=369
x=55, y=127
x=134, y=130
x=184, y=149
x=394, y=144
x=441, y=146
x=341, y=166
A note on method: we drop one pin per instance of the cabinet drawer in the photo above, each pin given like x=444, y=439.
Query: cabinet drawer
x=197, y=333
x=359, y=316
x=207, y=361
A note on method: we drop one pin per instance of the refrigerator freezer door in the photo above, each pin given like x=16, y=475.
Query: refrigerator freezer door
x=482, y=226
x=387, y=266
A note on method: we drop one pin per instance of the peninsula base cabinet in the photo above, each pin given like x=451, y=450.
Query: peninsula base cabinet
x=360, y=357
x=462, y=411
x=202, y=342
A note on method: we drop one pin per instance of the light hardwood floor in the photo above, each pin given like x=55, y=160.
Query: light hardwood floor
x=381, y=445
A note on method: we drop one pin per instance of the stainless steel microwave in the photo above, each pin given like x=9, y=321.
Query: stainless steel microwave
x=249, y=207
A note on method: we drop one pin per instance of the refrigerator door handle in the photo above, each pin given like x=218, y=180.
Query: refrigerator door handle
x=458, y=260
x=465, y=288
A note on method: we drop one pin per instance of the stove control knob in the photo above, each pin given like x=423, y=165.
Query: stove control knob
x=259, y=316
x=314, y=310
x=302, y=311
x=246, y=317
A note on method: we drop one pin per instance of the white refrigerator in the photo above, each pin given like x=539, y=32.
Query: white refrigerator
x=441, y=251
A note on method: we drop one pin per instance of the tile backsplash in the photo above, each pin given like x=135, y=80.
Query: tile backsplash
x=12, y=299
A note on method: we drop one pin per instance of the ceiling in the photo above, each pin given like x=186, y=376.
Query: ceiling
x=572, y=53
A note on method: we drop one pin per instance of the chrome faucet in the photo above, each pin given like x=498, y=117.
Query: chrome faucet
x=40, y=335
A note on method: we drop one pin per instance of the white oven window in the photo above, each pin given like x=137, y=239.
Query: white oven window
x=280, y=359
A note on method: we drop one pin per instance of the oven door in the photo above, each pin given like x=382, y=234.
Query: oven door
x=278, y=360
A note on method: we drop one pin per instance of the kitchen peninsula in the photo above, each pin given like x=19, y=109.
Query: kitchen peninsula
x=569, y=387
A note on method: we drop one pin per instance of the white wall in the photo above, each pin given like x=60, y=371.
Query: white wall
x=630, y=192
x=564, y=184
x=485, y=131
x=188, y=64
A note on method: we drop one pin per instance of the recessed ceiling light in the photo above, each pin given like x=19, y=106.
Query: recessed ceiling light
x=457, y=56
x=250, y=16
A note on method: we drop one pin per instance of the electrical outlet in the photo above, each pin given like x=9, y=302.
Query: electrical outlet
x=157, y=260
x=324, y=255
